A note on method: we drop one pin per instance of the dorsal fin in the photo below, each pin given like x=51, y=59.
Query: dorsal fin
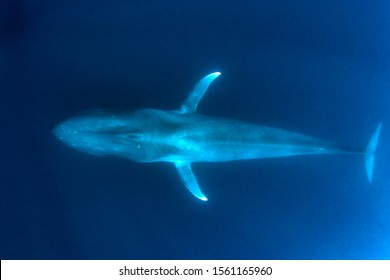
x=197, y=93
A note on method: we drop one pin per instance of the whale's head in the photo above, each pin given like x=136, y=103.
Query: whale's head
x=105, y=134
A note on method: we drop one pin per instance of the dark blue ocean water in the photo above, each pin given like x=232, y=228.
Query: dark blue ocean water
x=321, y=68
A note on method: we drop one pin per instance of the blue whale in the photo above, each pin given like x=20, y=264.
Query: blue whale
x=183, y=136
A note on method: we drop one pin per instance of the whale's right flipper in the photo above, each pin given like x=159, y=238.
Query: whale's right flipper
x=369, y=153
x=189, y=106
x=189, y=179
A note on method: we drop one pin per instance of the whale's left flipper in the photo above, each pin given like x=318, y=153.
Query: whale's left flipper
x=369, y=153
x=189, y=179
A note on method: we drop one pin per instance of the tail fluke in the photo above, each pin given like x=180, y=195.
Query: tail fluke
x=369, y=153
